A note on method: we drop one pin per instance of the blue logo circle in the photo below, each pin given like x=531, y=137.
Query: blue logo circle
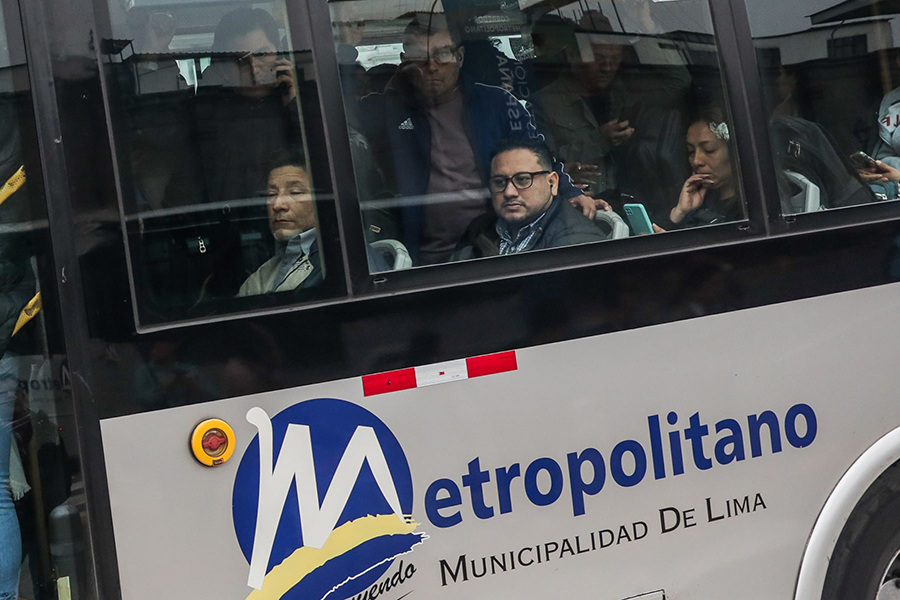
x=331, y=424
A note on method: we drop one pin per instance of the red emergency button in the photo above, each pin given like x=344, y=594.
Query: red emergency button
x=212, y=442
x=215, y=442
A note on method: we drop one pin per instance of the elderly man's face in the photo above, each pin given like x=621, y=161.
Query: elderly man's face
x=434, y=63
x=290, y=203
x=600, y=73
x=520, y=207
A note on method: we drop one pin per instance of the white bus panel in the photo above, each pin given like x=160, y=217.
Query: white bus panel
x=687, y=460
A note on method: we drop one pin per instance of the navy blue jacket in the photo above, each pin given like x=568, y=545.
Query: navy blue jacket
x=399, y=134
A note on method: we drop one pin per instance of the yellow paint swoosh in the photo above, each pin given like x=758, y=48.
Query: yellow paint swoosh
x=305, y=560
x=31, y=309
x=12, y=185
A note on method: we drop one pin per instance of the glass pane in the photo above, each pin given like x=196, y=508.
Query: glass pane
x=446, y=99
x=828, y=71
x=224, y=175
x=42, y=504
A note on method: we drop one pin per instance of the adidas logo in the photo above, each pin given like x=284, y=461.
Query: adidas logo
x=406, y=125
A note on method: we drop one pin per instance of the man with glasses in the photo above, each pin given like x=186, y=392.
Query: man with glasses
x=528, y=213
x=293, y=221
x=432, y=132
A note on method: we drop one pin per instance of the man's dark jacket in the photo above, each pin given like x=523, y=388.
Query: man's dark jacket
x=399, y=133
x=562, y=225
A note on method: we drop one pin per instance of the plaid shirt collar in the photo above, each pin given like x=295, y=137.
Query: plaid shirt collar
x=524, y=237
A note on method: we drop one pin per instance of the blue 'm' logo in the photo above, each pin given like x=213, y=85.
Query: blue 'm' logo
x=322, y=501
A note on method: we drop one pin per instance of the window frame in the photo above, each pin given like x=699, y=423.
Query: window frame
x=744, y=94
x=330, y=234
x=778, y=223
x=364, y=284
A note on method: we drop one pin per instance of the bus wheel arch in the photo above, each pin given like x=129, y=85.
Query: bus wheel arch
x=865, y=554
x=843, y=547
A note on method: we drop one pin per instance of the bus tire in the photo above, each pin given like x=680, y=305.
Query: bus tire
x=868, y=543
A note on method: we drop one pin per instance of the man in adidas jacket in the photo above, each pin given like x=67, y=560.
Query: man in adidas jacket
x=433, y=133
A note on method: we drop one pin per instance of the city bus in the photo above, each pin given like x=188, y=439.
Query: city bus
x=706, y=411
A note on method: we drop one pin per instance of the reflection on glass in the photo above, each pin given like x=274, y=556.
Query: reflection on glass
x=17, y=288
x=41, y=493
x=829, y=70
x=206, y=99
x=430, y=94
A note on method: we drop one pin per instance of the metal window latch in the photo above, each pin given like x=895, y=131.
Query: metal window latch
x=202, y=245
x=794, y=148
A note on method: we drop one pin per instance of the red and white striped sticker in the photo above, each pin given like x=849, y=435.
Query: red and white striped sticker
x=454, y=370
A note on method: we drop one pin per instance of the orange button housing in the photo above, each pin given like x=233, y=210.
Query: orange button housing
x=212, y=442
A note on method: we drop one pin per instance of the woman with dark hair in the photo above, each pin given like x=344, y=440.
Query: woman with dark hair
x=712, y=193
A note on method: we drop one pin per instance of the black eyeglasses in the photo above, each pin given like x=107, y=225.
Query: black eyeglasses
x=441, y=56
x=522, y=181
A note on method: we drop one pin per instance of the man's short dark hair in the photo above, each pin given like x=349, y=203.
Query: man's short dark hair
x=240, y=22
x=287, y=158
x=535, y=145
x=426, y=24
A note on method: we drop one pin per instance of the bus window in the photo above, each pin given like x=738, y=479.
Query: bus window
x=225, y=184
x=628, y=100
x=829, y=72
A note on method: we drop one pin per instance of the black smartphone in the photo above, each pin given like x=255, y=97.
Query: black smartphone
x=861, y=160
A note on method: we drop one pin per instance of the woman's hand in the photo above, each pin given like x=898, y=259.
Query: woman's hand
x=691, y=198
x=879, y=173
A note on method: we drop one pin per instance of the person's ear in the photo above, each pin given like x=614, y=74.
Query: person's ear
x=462, y=54
x=553, y=180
